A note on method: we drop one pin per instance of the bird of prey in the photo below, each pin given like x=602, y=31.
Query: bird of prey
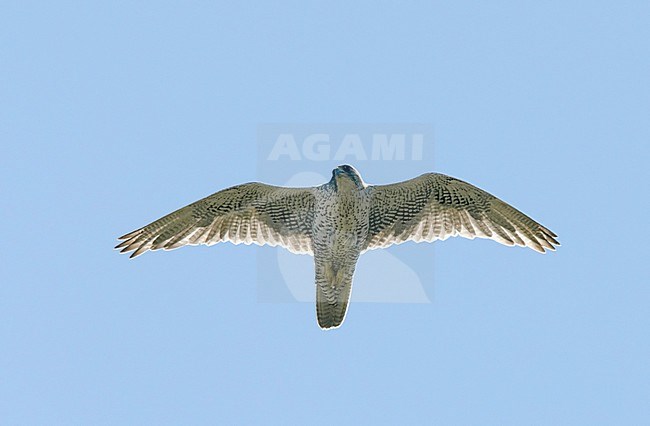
x=338, y=221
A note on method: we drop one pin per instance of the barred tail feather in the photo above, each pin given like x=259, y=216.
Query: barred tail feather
x=333, y=289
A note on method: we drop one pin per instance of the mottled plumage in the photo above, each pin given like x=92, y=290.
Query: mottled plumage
x=338, y=221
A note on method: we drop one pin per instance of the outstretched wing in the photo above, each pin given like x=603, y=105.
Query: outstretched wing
x=435, y=207
x=250, y=213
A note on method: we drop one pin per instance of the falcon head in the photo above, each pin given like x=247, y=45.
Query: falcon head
x=347, y=177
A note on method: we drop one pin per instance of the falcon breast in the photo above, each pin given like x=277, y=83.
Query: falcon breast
x=338, y=221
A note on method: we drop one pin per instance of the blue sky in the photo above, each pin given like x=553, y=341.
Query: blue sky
x=113, y=114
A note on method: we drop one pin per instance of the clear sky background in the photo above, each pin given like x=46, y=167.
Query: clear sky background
x=113, y=114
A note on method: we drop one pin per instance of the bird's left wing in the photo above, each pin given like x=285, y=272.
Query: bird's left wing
x=435, y=207
x=252, y=213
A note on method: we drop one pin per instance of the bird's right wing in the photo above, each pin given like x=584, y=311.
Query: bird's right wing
x=250, y=213
x=435, y=207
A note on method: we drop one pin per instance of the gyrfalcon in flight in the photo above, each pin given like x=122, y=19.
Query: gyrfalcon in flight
x=338, y=221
